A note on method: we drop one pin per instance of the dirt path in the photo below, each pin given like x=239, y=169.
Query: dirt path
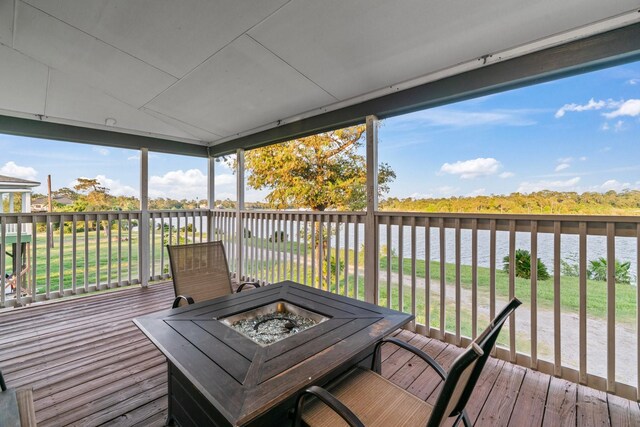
x=626, y=366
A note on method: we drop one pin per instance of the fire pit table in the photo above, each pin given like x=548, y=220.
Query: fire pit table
x=241, y=359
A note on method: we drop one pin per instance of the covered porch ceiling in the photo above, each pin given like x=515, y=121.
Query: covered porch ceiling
x=204, y=77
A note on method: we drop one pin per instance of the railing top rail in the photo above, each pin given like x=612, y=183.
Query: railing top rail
x=523, y=217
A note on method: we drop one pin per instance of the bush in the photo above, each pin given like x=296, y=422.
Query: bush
x=597, y=270
x=523, y=265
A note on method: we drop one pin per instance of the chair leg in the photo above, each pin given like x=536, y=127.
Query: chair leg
x=465, y=418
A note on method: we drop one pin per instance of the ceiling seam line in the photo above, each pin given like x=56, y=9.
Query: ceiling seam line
x=15, y=20
x=294, y=68
x=143, y=108
x=188, y=73
x=102, y=41
x=46, y=91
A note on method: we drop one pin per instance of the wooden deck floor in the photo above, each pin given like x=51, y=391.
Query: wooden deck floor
x=89, y=365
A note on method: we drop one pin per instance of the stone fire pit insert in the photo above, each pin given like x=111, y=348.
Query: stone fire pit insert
x=218, y=376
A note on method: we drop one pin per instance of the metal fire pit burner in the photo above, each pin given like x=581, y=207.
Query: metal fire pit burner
x=273, y=322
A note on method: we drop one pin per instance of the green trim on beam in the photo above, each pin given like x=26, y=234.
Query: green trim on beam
x=576, y=57
x=62, y=132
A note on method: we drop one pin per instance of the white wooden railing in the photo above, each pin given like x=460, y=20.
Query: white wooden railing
x=572, y=327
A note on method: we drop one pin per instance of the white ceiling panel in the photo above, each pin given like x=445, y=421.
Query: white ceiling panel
x=80, y=55
x=197, y=132
x=71, y=99
x=23, y=82
x=192, y=30
x=241, y=87
x=6, y=22
x=353, y=47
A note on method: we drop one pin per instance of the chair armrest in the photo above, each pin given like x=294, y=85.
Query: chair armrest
x=187, y=298
x=330, y=400
x=421, y=354
x=243, y=284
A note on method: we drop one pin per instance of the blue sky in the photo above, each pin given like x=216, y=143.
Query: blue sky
x=576, y=134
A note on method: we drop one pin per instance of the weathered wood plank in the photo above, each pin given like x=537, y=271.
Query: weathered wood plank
x=592, y=407
x=529, y=407
x=498, y=408
x=560, y=409
x=620, y=412
x=483, y=387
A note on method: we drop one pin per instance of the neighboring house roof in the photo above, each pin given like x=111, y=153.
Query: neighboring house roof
x=11, y=182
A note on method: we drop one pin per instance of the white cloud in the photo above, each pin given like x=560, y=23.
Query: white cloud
x=591, y=105
x=459, y=118
x=605, y=126
x=530, y=187
x=611, y=184
x=565, y=160
x=478, y=192
x=134, y=157
x=16, y=171
x=101, y=150
x=446, y=190
x=630, y=107
x=562, y=166
x=618, y=126
x=505, y=175
x=225, y=179
x=583, y=158
x=470, y=169
x=634, y=81
x=179, y=184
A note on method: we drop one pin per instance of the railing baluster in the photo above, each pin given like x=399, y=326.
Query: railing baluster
x=413, y=268
x=337, y=254
x=356, y=254
x=153, y=246
x=328, y=260
x=120, y=250
x=401, y=265
x=321, y=253
x=18, y=262
x=557, y=324
x=162, y=246
x=389, y=261
x=109, y=251
x=443, y=285
x=474, y=278
x=74, y=251
x=129, y=260
x=427, y=275
x=290, y=242
x=313, y=251
x=534, y=294
x=582, y=227
x=86, y=254
x=298, y=248
x=345, y=219
x=611, y=307
x=48, y=254
x=512, y=288
x=458, y=283
x=61, y=256
x=492, y=268
x=34, y=257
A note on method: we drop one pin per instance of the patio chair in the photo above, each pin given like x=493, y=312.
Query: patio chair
x=16, y=406
x=200, y=272
x=363, y=397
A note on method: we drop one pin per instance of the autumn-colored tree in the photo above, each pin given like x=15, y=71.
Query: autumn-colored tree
x=319, y=172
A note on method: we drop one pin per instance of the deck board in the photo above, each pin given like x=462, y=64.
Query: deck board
x=89, y=365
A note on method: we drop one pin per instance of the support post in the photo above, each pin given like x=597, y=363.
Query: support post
x=211, y=196
x=370, y=227
x=143, y=225
x=239, y=209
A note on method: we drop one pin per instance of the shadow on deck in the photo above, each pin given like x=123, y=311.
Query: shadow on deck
x=89, y=365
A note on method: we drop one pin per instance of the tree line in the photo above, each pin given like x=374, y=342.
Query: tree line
x=626, y=202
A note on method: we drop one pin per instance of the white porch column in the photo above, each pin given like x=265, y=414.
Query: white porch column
x=239, y=209
x=143, y=224
x=211, y=196
x=370, y=228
